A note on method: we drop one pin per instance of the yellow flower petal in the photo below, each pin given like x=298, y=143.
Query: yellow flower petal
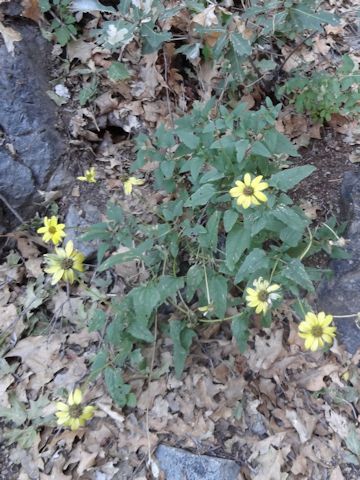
x=247, y=179
x=63, y=407
x=88, y=412
x=69, y=247
x=260, y=196
x=77, y=396
x=57, y=276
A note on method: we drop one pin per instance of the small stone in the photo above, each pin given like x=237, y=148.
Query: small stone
x=77, y=223
x=179, y=464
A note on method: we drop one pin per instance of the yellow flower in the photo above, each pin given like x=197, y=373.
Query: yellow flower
x=63, y=262
x=130, y=182
x=249, y=192
x=89, y=176
x=52, y=230
x=262, y=296
x=315, y=330
x=72, y=414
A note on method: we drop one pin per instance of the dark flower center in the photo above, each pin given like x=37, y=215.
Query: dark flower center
x=317, y=331
x=75, y=411
x=52, y=230
x=67, y=263
x=248, y=191
x=263, y=295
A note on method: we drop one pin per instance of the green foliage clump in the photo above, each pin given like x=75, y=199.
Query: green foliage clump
x=63, y=21
x=202, y=249
x=323, y=94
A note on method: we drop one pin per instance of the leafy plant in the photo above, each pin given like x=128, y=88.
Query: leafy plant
x=324, y=94
x=26, y=420
x=63, y=22
x=202, y=251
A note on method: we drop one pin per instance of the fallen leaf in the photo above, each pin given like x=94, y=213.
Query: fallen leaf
x=10, y=36
x=336, y=474
x=313, y=379
x=41, y=355
x=31, y=10
x=304, y=426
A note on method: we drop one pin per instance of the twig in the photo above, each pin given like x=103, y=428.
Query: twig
x=12, y=209
x=281, y=66
x=147, y=406
x=167, y=89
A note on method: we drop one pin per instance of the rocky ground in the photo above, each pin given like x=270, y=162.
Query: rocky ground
x=273, y=412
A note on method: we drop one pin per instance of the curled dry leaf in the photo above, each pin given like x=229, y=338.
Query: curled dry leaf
x=10, y=36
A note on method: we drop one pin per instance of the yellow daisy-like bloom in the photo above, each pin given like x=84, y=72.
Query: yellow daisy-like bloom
x=90, y=176
x=316, y=330
x=249, y=192
x=72, y=414
x=130, y=182
x=62, y=264
x=262, y=296
x=52, y=230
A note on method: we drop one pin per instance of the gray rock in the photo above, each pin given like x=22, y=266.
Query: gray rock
x=31, y=147
x=76, y=224
x=340, y=295
x=179, y=464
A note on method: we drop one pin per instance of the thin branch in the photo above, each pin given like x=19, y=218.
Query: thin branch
x=12, y=209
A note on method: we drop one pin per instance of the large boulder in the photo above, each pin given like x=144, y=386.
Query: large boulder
x=340, y=295
x=31, y=146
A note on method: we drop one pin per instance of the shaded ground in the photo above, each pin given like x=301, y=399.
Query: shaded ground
x=321, y=191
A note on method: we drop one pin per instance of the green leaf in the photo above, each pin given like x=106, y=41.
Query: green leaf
x=218, y=290
x=237, y=241
x=188, y=138
x=182, y=337
x=230, y=218
x=126, y=256
x=25, y=438
x=305, y=18
x=98, y=363
x=118, y=71
x=255, y=261
x=87, y=92
x=259, y=148
x=117, y=389
x=169, y=286
x=241, y=148
x=97, y=321
x=210, y=239
x=287, y=179
x=155, y=39
x=138, y=329
x=277, y=144
x=211, y=176
x=44, y=5
x=289, y=216
x=201, y=196
x=240, y=44
x=196, y=164
x=63, y=35
x=145, y=300
x=352, y=441
x=194, y=278
x=295, y=271
x=290, y=236
x=16, y=413
x=167, y=168
x=240, y=331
